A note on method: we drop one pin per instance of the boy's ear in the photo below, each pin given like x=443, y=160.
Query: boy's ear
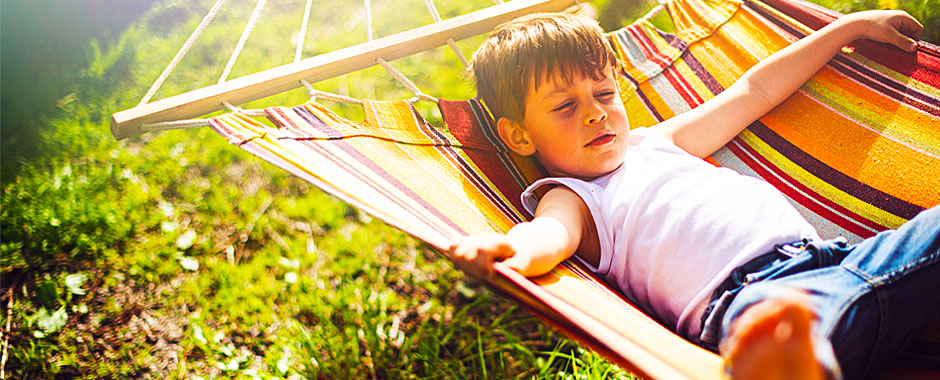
x=515, y=136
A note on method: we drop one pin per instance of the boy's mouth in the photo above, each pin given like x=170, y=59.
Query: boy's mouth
x=602, y=138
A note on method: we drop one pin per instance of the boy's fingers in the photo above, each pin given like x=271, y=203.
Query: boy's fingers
x=452, y=245
x=514, y=263
x=476, y=255
x=502, y=251
x=897, y=38
x=907, y=44
x=908, y=30
x=911, y=27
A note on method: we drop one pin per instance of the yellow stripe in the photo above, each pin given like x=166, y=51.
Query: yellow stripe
x=906, y=80
x=819, y=186
x=895, y=120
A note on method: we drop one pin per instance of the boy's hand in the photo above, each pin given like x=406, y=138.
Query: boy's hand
x=476, y=254
x=889, y=26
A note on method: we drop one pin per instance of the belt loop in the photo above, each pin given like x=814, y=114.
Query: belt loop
x=829, y=252
x=793, y=249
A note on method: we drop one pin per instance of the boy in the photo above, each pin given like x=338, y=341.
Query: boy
x=618, y=198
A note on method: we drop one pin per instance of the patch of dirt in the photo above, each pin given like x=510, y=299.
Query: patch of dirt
x=122, y=321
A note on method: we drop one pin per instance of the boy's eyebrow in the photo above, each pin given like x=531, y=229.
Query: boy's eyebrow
x=560, y=88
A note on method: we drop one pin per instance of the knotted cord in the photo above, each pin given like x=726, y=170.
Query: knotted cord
x=314, y=93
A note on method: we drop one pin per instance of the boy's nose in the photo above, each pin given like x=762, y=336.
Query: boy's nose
x=595, y=114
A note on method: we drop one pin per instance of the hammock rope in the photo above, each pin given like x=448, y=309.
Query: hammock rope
x=303, y=30
x=255, y=15
x=317, y=94
x=405, y=82
x=450, y=41
x=198, y=123
x=653, y=12
x=298, y=54
x=314, y=93
x=231, y=107
x=369, y=33
x=182, y=51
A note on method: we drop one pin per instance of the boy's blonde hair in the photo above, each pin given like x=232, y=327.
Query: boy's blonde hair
x=528, y=50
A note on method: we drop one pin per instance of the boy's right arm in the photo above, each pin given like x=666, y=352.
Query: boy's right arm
x=530, y=248
x=706, y=128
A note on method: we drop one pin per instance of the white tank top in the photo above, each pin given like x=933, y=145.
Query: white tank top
x=672, y=226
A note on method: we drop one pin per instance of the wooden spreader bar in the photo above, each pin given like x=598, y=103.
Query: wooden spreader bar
x=338, y=62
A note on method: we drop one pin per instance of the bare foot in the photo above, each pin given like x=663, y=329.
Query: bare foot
x=771, y=341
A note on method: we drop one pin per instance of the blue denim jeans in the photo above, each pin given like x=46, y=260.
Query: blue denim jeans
x=871, y=298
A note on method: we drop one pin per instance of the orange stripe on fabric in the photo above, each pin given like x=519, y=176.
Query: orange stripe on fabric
x=656, y=100
x=694, y=21
x=725, y=65
x=857, y=152
x=313, y=167
x=896, y=120
x=353, y=180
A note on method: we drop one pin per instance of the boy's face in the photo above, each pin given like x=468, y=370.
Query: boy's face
x=579, y=129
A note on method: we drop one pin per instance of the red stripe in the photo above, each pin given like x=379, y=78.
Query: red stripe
x=677, y=87
x=469, y=122
x=924, y=68
x=685, y=89
x=649, y=50
x=679, y=84
x=451, y=153
x=789, y=186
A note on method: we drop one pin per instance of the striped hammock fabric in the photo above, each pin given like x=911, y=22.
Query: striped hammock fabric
x=857, y=150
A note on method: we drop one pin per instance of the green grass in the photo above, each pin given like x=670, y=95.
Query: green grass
x=177, y=255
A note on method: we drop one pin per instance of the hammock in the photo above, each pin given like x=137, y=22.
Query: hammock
x=857, y=150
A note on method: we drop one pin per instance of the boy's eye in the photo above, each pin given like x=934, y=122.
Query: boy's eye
x=563, y=106
x=605, y=94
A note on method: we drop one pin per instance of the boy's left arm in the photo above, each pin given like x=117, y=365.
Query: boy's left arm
x=708, y=127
